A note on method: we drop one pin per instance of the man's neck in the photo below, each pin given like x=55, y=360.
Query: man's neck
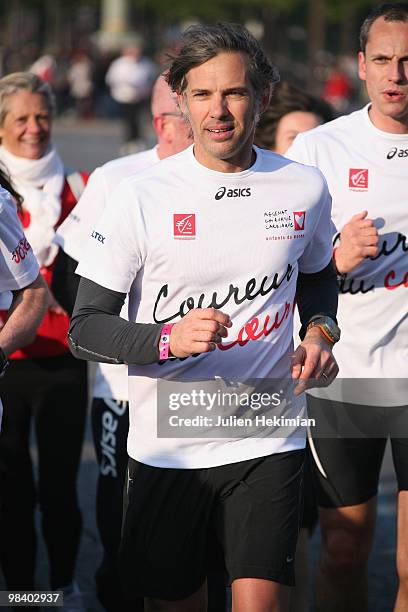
x=388, y=124
x=238, y=163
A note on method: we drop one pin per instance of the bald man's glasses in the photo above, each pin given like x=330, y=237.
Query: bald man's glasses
x=171, y=114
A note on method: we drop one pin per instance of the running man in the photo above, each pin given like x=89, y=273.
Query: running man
x=364, y=158
x=209, y=243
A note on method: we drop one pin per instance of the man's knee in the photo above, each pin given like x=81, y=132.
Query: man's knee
x=344, y=552
x=347, y=535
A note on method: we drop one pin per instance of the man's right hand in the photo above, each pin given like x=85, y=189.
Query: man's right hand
x=358, y=240
x=198, y=332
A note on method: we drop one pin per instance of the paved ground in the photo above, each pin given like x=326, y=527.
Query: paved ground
x=85, y=146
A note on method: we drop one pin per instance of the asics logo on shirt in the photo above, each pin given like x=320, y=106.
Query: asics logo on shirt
x=395, y=152
x=98, y=237
x=108, y=440
x=233, y=193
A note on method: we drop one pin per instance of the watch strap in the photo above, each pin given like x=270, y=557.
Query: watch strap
x=326, y=326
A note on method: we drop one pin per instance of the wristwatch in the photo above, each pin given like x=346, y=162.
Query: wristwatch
x=327, y=326
x=4, y=363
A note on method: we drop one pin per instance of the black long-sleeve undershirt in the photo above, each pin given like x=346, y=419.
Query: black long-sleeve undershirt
x=317, y=294
x=64, y=281
x=98, y=333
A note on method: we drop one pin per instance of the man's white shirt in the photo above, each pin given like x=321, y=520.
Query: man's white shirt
x=110, y=380
x=367, y=169
x=179, y=236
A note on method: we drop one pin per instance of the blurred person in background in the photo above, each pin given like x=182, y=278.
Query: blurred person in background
x=363, y=157
x=45, y=385
x=130, y=78
x=292, y=111
x=338, y=89
x=81, y=86
x=45, y=67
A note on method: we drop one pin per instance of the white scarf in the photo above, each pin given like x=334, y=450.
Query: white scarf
x=40, y=183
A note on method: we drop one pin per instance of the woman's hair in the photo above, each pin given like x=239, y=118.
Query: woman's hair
x=5, y=182
x=24, y=81
x=286, y=98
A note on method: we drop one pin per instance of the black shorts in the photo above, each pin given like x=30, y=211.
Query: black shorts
x=175, y=519
x=310, y=515
x=347, y=468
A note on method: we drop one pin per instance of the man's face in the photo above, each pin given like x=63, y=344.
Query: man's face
x=220, y=103
x=384, y=68
x=26, y=129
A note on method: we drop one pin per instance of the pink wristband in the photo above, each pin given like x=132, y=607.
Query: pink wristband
x=164, y=343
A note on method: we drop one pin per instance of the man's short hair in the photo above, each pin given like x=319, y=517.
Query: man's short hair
x=201, y=43
x=287, y=99
x=391, y=11
x=27, y=81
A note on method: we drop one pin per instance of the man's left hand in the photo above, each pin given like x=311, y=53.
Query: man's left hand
x=313, y=363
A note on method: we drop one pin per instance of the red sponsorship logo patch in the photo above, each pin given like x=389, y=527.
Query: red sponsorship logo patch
x=358, y=179
x=184, y=226
x=299, y=220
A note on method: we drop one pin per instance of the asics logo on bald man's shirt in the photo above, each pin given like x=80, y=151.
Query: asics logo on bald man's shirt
x=233, y=193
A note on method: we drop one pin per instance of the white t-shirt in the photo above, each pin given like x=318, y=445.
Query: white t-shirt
x=180, y=236
x=367, y=169
x=18, y=266
x=110, y=381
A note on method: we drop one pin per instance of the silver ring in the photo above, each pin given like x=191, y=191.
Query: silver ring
x=324, y=375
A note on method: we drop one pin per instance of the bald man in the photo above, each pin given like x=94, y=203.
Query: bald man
x=109, y=413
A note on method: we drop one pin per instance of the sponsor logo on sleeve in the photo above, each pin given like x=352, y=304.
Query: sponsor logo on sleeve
x=396, y=152
x=20, y=252
x=97, y=236
x=358, y=179
x=299, y=220
x=184, y=226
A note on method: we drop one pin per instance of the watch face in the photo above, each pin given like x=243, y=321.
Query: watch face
x=331, y=328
